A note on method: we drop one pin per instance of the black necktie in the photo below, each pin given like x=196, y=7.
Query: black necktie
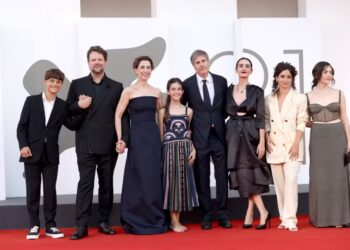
x=206, y=95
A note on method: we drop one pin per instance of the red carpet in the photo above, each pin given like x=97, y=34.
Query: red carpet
x=308, y=237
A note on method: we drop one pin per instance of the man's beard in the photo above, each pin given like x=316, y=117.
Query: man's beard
x=98, y=71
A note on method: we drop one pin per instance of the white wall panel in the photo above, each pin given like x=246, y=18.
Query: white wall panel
x=53, y=31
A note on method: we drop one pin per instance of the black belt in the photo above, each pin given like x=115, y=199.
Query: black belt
x=243, y=117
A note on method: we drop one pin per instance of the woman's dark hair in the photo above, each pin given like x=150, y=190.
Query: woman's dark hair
x=317, y=72
x=282, y=66
x=244, y=58
x=137, y=61
x=168, y=98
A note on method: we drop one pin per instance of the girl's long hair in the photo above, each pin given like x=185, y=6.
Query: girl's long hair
x=168, y=98
x=317, y=72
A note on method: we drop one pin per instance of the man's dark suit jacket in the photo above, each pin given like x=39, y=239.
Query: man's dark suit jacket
x=97, y=133
x=32, y=131
x=205, y=117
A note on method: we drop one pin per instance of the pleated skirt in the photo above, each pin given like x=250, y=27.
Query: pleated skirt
x=178, y=180
x=329, y=189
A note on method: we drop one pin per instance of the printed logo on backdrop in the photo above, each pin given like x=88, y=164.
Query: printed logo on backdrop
x=119, y=67
x=263, y=64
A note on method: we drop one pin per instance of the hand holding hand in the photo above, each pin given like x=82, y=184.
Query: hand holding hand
x=25, y=152
x=120, y=146
x=84, y=101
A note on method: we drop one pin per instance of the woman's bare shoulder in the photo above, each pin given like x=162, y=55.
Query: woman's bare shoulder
x=157, y=91
x=129, y=89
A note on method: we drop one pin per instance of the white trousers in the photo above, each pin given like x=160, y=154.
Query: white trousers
x=285, y=177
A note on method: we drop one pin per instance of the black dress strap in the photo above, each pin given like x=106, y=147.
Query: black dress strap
x=307, y=99
x=339, y=95
x=308, y=105
x=186, y=110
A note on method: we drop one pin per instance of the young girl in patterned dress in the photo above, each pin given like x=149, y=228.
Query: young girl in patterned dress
x=178, y=155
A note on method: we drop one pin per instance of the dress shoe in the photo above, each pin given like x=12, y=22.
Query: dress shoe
x=263, y=226
x=247, y=226
x=206, y=225
x=105, y=229
x=225, y=223
x=80, y=233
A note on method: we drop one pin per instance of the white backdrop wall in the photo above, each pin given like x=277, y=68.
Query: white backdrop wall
x=31, y=30
x=333, y=18
x=2, y=156
x=59, y=35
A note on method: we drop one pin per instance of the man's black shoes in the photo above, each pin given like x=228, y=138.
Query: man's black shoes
x=224, y=223
x=80, y=233
x=106, y=229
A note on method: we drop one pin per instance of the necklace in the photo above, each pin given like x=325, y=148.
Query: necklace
x=240, y=90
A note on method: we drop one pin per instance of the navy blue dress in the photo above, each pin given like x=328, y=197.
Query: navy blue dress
x=142, y=193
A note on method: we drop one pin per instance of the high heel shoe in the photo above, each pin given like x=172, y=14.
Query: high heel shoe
x=247, y=226
x=263, y=226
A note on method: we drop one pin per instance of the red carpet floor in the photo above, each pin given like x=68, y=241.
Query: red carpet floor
x=308, y=237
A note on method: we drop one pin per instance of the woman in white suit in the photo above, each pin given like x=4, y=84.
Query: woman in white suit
x=286, y=116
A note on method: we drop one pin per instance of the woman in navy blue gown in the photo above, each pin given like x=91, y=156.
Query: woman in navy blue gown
x=142, y=193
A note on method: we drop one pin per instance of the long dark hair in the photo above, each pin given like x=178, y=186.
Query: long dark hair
x=317, y=72
x=282, y=66
x=168, y=98
x=244, y=58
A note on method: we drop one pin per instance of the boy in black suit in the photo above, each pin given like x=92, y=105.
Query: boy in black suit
x=37, y=132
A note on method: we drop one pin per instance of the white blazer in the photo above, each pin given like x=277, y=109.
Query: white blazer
x=283, y=124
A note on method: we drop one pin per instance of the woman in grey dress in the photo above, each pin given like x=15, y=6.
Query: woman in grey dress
x=329, y=201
